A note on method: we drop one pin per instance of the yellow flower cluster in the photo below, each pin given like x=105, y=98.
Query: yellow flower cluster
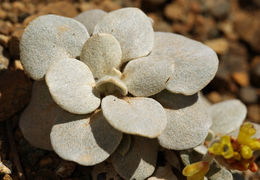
x=236, y=153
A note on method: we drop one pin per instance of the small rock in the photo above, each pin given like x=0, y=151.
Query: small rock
x=4, y=169
x=214, y=97
x=108, y=5
x=85, y=6
x=2, y=14
x=5, y=27
x=218, y=8
x=254, y=113
x=176, y=10
x=18, y=7
x=227, y=27
x=65, y=169
x=220, y=45
x=233, y=61
x=15, y=91
x=12, y=17
x=248, y=94
x=7, y=6
x=4, y=62
x=7, y=177
x=62, y=8
x=241, y=78
x=4, y=40
x=247, y=25
x=205, y=28
x=18, y=65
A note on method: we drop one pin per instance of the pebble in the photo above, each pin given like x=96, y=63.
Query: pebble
x=214, y=97
x=254, y=113
x=61, y=8
x=7, y=6
x=242, y=24
x=218, y=8
x=176, y=11
x=242, y=78
x=109, y=6
x=2, y=14
x=4, y=40
x=227, y=27
x=205, y=28
x=84, y=6
x=5, y=27
x=4, y=169
x=7, y=177
x=12, y=17
x=233, y=61
x=18, y=7
x=220, y=45
x=18, y=65
x=248, y=94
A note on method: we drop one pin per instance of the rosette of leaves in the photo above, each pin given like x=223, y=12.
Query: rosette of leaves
x=101, y=75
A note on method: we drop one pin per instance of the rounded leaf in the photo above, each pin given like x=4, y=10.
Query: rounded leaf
x=87, y=140
x=227, y=116
x=132, y=115
x=90, y=18
x=71, y=85
x=111, y=85
x=222, y=173
x=38, y=118
x=132, y=28
x=50, y=38
x=147, y=76
x=139, y=162
x=101, y=53
x=195, y=63
x=188, y=121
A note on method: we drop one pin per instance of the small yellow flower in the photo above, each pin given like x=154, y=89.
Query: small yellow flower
x=246, y=152
x=244, y=137
x=196, y=171
x=224, y=148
